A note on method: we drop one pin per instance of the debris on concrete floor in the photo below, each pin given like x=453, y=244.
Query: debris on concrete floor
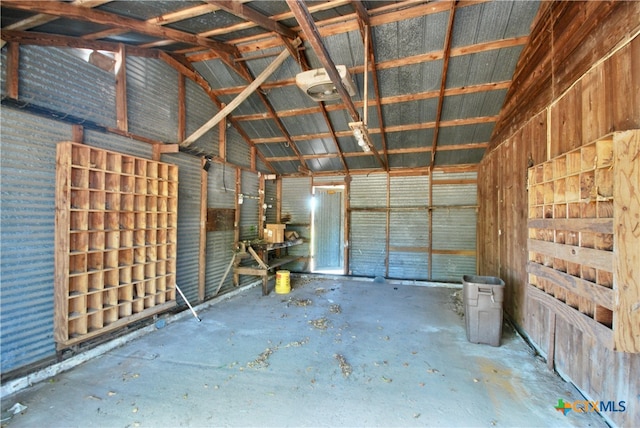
x=262, y=360
x=344, y=365
x=457, y=303
x=300, y=302
x=410, y=355
x=320, y=323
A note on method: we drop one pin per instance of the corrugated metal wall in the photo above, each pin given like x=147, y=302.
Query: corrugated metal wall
x=249, y=185
x=368, y=229
x=61, y=81
x=200, y=109
x=238, y=151
x=296, y=210
x=369, y=191
x=367, y=249
x=453, y=214
x=28, y=165
x=188, y=223
x=454, y=226
x=270, y=196
x=152, y=99
x=409, y=228
x=118, y=144
x=221, y=194
x=249, y=209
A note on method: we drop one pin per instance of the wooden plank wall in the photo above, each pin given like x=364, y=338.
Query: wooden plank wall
x=578, y=80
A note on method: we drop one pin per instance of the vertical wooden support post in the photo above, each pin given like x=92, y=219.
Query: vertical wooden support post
x=626, y=231
x=278, y=200
x=253, y=158
x=121, y=89
x=430, y=221
x=182, y=107
x=61, y=260
x=261, y=210
x=13, y=67
x=202, y=259
x=77, y=134
x=347, y=223
x=222, y=137
x=238, y=206
x=387, y=226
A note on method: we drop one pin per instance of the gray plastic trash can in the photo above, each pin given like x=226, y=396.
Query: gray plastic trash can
x=483, y=296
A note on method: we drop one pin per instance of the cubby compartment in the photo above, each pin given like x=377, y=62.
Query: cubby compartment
x=116, y=214
x=97, y=158
x=571, y=201
x=80, y=156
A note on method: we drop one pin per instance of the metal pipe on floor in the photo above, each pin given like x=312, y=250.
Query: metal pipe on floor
x=188, y=304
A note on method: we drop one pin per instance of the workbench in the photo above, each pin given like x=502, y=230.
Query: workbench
x=259, y=252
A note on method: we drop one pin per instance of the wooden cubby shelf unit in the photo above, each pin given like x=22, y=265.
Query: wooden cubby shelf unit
x=116, y=235
x=583, y=251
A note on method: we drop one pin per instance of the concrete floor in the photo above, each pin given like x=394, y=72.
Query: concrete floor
x=333, y=352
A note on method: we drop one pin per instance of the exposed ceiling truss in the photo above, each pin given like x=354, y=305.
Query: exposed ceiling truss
x=424, y=105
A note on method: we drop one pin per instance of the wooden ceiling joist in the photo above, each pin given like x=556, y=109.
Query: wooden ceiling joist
x=443, y=80
x=269, y=32
x=304, y=18
x=236, y=101
x=71, y=11
x=251, y=15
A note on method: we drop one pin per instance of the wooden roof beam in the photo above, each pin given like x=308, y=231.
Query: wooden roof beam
x=239, y=99
x=249, y=14
x=41, y=18
x=367, y=38
x=443, y=80
x=185, y=68
x=67, y=10
x=304, y=18
x=169, y=18
x=301, y=58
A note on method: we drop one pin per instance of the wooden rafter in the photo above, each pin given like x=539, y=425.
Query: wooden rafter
x=236, y=52
x=187, y=70
x=388, y=129
x=105, y=18
x=241, y=68
x=41, y=18
x=367, y=37
x=251, y=15
x=304, y=18
x=443, y=80
x=168, y=18
x=239, y=99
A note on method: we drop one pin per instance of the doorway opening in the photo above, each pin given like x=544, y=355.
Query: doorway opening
x=327, y=230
